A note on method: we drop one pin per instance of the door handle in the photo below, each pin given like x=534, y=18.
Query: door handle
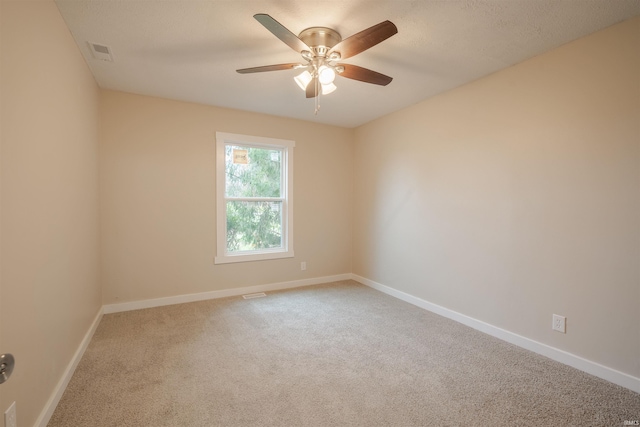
x=7, y=363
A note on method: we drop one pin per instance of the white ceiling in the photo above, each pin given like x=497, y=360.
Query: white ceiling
x=189, y=49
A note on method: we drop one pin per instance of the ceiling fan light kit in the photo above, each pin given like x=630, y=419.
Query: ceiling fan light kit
x=321, y=48
x=303, y=79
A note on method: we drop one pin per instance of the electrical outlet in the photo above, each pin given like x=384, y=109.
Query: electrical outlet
x=303, y=265
x=559, y=323
x=10, y=416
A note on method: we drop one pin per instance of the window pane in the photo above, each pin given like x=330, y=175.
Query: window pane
x=253, y=225
x=252, y=172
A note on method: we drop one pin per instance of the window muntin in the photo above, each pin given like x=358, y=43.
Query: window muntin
x=254, y=196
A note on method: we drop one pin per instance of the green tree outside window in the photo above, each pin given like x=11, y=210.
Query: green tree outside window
x=253, y=193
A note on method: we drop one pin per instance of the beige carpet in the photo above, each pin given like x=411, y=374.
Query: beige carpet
x=329, y=355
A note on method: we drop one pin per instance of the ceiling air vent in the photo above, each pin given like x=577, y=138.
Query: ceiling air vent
x=101, y=52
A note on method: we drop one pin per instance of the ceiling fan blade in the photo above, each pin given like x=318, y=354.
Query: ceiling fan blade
x=364, y=75
x=281, y=32
x=264, y=68
x=365, y=39
x=312, y=88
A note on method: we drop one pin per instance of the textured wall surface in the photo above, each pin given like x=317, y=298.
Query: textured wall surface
x=50, y=290
x=516, y=197
x=157, y=195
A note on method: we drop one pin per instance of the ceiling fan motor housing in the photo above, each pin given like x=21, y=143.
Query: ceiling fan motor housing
x=320, y=39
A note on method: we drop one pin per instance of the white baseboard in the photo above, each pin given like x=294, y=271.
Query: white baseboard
x=593, y=368
x=58, y=391
x=179, y=299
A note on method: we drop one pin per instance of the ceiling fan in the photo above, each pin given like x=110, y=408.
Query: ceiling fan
x=322, y=48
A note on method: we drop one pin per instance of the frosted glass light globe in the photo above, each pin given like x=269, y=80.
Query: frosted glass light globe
x=326, y=75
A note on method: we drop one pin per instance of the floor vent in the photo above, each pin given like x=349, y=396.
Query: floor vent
x=256, y=295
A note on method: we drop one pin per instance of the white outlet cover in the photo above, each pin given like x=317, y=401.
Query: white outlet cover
x=559, y=323
x=10, y=416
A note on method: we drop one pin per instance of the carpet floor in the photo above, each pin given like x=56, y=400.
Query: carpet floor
x=339, y=354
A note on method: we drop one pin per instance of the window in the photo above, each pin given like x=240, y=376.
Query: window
x=254, y=198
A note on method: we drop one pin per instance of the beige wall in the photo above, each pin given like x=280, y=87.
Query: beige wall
x=516, y=197
x=157, y=195
x=50, y=290
x=2, y=343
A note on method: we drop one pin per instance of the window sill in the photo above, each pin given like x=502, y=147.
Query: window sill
x=228, y=259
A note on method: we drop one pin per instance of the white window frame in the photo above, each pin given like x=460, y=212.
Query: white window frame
x=223, y=256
